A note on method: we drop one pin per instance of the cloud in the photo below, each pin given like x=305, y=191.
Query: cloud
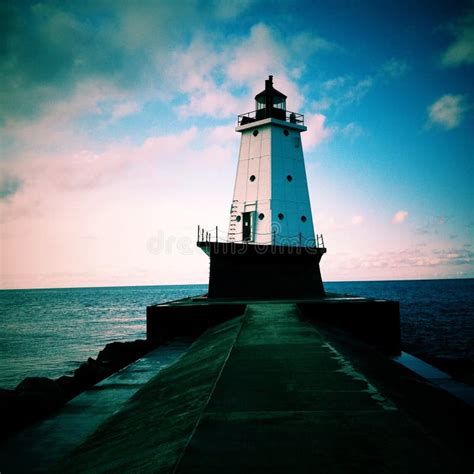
x=433, y=224
x=218, y=77
x=399, y=217
x=357, y=220
x=124, y=109
x=48, y=48
x=343, y=91
x=415, y=257
x=394, y=68
x=317, y=131
x=461, y=50
x=9, y=185
x=352, y=131
x=54, y=127
x=306, y=43
x=229, y=10
x=448, y=111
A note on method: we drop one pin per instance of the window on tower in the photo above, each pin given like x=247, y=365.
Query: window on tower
x=252, y=178
x=279, y=103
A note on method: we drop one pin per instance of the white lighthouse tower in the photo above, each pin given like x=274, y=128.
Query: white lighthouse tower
x=271, y=200
x=271, y=250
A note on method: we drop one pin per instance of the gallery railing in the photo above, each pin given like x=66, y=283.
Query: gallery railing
x=273, y=238
x=280, y=114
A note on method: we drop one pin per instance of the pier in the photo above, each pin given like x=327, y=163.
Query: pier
x=270, y=391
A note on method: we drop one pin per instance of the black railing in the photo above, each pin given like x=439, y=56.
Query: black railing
x=215, y=235
x=261, y=114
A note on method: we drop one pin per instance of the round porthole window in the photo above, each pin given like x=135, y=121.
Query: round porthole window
x=238, y=218
x=286, y=133
x=303, y=219
x=281, y=216
x=252, y=178
x=255, y=133
x=289, y=178
x=261, y=216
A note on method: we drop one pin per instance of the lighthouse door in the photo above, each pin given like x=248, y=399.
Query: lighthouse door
x=246, y=226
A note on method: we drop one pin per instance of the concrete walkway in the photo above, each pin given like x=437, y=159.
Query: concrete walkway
x=286, y=401
x=262, y=393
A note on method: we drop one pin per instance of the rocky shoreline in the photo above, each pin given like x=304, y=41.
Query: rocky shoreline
x=37, y=397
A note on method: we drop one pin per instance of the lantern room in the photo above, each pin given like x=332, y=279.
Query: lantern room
x=270, y=102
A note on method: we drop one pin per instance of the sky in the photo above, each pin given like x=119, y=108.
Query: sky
x=118, y=133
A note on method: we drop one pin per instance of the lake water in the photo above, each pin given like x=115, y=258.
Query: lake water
x=50, y=332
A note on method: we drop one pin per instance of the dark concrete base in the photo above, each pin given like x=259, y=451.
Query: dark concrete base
x=186, y=318
x=374, y=321
x=264, y=271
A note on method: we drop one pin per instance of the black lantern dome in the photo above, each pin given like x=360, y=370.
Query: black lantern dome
x=270, y=102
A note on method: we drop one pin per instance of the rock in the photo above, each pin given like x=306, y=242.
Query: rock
x=8, y=411
x=70, y=386
x=90, y=372
x=8, y=403
x=123, y=353
x=36, y=397
x=38, y=384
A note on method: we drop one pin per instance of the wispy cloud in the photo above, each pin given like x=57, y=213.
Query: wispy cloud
x=49, y=47
x=433, y=224
x=394, y=68
x=352, y=131
x=399, y=217
x=461, y=50
x=448, y=111
x=124, y=109
x=414, y=257
x=340, y=92
x=343, y=91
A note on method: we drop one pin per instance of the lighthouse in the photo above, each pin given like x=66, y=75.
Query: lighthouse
x=271, y=200
x=270, y=249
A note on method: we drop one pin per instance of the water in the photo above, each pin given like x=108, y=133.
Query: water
x=51, y=332
x=437, y=316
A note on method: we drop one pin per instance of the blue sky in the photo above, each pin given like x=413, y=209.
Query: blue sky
x=117, y=133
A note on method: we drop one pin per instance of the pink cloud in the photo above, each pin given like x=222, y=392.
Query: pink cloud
x=399, y=217
x=317, y=131
x=357, y=220
x=124, y=109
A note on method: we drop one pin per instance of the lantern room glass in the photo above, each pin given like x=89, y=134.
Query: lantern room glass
x=278, y=103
